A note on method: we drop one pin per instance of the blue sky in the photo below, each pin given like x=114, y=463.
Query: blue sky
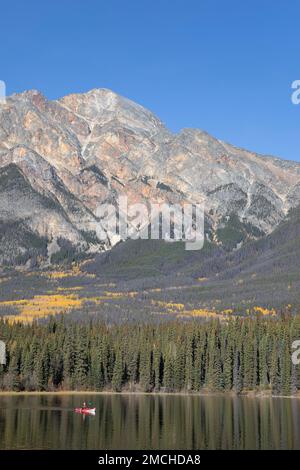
x=224, y=66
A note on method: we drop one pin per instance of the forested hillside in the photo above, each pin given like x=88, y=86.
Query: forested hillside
x=239, y=355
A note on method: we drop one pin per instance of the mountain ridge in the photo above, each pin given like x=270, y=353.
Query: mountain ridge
x=88, y=148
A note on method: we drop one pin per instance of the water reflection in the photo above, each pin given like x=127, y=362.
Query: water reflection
x=149, y=422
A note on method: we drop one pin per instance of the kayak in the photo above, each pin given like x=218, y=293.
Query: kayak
x=86, y=411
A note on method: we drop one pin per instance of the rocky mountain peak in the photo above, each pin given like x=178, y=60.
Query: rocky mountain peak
x=101, y=105
x=84, y=149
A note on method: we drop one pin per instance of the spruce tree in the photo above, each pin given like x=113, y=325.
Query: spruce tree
x=117, y=378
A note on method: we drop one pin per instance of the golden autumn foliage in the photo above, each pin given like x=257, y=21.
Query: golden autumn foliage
x=41, y=306
x=170, y=306
x=264, y=311
x=227, y=311
x=67, y=274
x=53, y=303
x=180, y=311
x=115, y=295
x=66, y=289
x=201, y=312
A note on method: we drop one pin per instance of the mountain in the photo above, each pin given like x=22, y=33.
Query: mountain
x=152, y=280
x=263, y=272
x=60, y=159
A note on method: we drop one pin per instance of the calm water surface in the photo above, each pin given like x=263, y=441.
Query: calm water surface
x=149, y=422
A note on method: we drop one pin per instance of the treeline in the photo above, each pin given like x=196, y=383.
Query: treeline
x=239, y=355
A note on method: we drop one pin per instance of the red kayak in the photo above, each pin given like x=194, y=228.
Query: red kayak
x=86, y=411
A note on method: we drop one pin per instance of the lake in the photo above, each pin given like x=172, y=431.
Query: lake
x=149, y=422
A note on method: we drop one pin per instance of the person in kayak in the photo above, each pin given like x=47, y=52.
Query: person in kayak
x=85, y=406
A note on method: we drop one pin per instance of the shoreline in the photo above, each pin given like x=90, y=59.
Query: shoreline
x=136, y=393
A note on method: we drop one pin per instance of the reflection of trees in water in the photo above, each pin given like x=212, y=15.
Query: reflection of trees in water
x=144, y=422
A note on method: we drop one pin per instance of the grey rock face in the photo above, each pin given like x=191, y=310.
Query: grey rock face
x=72, y=154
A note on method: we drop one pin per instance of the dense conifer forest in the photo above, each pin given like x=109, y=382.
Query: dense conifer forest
x=239, y=355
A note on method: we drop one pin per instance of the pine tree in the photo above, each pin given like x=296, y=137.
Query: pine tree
x=14, y=372
x=145, y=369
x=228, y=368
x=81, y=360
x=215, y=372
x=285, y=366
x=117, y=378
x=168, y=379
x=275, y=372
x=42, y=369
x=248, y=380
x=236, y=355
x=237, y=379
x=189, y=363
x=263, y=364
x=157, y=367
x=69, y=354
